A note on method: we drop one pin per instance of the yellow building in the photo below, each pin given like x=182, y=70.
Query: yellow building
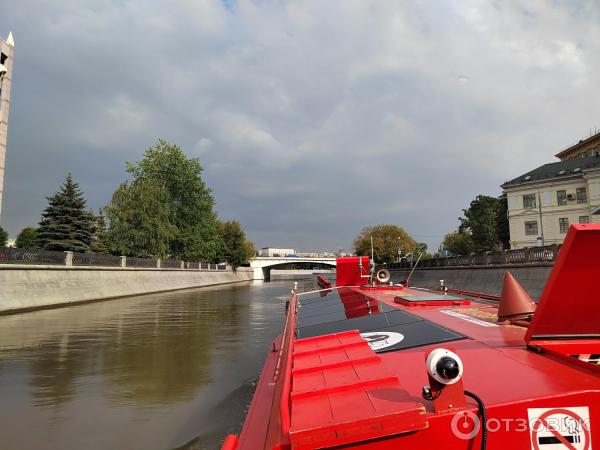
x=561, y=194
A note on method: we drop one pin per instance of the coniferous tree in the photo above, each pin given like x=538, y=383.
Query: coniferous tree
x=66, y=224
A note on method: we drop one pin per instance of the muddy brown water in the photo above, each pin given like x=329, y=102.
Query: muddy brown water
x=165, y=371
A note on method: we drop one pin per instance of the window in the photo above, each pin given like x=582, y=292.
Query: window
x=531, y=228
x=584, y=219
x=529, y=201
x=581, y=195
x=561, y=197
x=563, y=223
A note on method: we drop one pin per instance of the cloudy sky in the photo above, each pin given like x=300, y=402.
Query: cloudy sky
x=311, y=119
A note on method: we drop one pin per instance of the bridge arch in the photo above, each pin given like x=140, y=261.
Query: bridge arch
x=263, y=265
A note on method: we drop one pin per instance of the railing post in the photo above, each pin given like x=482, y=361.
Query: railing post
x=68, y=258
x=158, y=263
x=526, y=255
x=123, y=261
x=554, y=252
x=503, y=257
x=182, y=265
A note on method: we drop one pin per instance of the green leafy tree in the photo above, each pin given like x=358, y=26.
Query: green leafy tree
x=66, y=224
x=3, y=237
x=458, y=243
x=502, y=226
x=481, y=218
x=235, y=243
x=139, y=220
x=100, y=242
x=190, y=200
x=27, y=238
x=421, y=249
x=250, y=250
x=386, y=240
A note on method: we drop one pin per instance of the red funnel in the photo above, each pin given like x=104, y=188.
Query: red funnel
x=515, y=302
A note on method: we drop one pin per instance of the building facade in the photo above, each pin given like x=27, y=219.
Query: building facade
x=543, y=203
x=583, y=149
x=6, y=64
x=276, y=252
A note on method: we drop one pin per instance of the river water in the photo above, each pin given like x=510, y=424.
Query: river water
x=164, y=371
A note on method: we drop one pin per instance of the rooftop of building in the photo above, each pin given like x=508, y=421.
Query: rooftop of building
x=580, y=144
x=571, y=167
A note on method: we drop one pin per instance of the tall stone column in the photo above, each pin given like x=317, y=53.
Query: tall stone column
x=6, y=64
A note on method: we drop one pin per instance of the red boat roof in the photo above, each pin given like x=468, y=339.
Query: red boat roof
x=354, y=373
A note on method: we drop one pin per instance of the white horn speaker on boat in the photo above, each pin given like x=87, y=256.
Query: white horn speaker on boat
x=383, y=276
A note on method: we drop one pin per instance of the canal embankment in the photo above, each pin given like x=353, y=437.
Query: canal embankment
x=30, y=287
x=486, y=279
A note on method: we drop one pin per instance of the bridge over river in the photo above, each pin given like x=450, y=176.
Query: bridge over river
x=262, y=265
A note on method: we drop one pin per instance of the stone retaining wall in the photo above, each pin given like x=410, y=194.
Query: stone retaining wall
x=35, y=287
x=487, y=279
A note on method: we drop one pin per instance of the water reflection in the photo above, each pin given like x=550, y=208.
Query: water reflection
x=146, y=372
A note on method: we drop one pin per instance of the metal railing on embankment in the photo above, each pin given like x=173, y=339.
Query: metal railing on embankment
x=530, y=255
x=9, y=255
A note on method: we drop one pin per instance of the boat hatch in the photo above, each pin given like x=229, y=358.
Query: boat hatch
x=429, y=299
x=344, y=393
x=566, y=323
x=384, y=327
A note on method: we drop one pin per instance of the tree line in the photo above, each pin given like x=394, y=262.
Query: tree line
x=165, y=210
x=483, y=227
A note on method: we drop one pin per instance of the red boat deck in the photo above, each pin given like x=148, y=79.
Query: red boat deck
x=356, y=369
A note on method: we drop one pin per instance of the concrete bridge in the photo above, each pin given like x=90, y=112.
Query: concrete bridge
x=262, y=265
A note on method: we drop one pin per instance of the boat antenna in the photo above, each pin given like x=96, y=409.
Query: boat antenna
x=413, y=269
x=372, y=264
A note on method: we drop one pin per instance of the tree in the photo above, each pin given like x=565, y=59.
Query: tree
x=250, y=250
x=3, y=237
x=480, y=221
x=386, y=241
x=66, y=224
x=139, y=220
x=190, y=201
x=502, y=226
x=458, y=243
x=27, y=238
x=235, y=243
x=100, y=242
x=421, y=249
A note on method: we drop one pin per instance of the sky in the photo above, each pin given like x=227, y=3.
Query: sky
x=311, y=119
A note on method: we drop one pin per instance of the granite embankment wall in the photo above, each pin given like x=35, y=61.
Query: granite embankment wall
x=487, y=279
x=34, y=287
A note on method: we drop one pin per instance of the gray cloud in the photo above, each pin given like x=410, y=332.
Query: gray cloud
x=311, y=119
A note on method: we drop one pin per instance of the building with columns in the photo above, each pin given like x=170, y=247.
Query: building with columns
x=6, y=63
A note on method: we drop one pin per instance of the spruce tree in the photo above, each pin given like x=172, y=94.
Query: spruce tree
x=3, y=237
x=66, y=224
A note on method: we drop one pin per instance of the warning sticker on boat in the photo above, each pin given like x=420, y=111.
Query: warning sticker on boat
x=560, y=428
x=379, y=340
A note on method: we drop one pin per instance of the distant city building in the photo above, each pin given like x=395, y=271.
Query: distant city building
x=308, y=254
x=276, y=252
x=6, y=64
x=561, y=194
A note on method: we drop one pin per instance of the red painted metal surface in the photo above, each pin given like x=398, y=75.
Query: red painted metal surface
x=338, y=392
x=349, y=273
x=344, y=393
x=323, y=282
x=515, y=302
x=570, y=302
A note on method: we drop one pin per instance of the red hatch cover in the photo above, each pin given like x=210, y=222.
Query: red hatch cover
x=344, y=393
x=570, y=304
